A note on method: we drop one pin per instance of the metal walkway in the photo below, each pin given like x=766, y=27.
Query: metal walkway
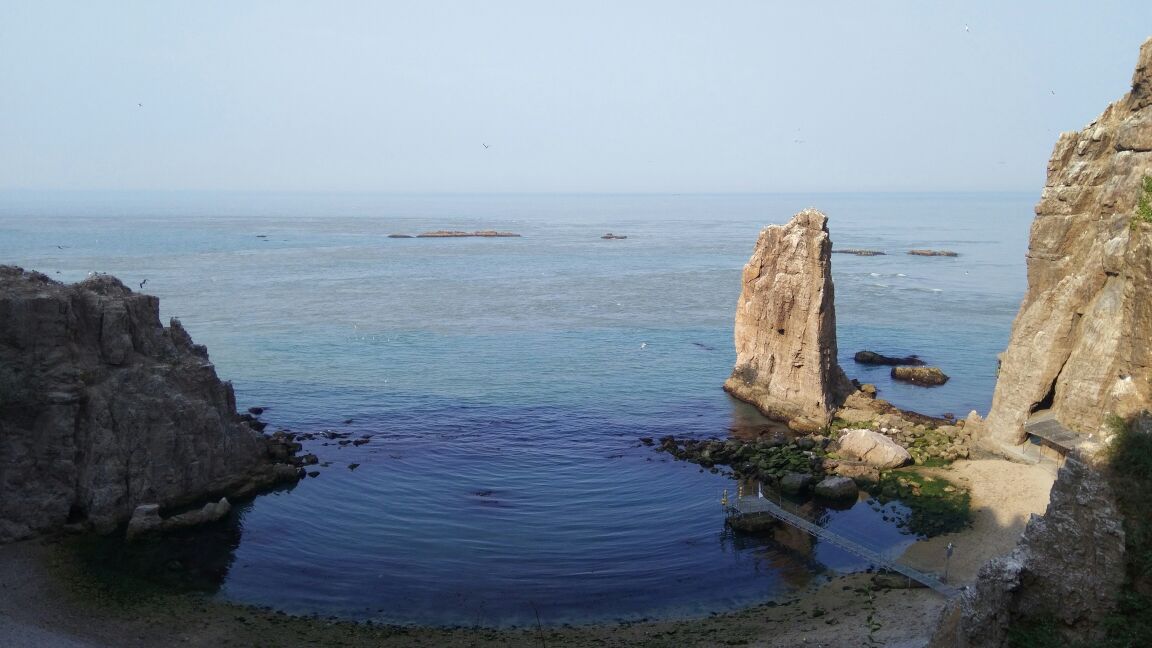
x=751, y=505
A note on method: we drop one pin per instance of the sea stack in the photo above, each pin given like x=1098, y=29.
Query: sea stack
x=1081, y=344
x=103, y=409
x=786, y=326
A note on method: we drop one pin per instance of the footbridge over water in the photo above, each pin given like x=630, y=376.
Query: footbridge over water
x=758, y=505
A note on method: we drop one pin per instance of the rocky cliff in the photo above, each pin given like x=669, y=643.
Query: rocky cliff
x=1068, y=567
x=102, y=408
x=1081, y=344
x=786, y=326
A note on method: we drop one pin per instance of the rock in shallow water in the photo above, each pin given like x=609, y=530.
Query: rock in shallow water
x=837, y=488
x=872, y=358
x=923, y=376
x=785, y=328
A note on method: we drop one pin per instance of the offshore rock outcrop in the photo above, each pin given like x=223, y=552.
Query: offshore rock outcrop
x=102, y=409
x=786, y=326
x=1081, y=344
x=1068, y=566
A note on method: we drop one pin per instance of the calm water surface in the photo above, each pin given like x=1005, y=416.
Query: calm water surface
x=505, y=382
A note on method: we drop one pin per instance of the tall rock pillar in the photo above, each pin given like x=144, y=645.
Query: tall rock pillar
x=1081, y=345
x=786, y=326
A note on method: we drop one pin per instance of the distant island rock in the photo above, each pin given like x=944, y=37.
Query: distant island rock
x=460, y=234
x=859, y=252
x=940, y=253
x=103, y=409
x=610, y=236
x=400, y=236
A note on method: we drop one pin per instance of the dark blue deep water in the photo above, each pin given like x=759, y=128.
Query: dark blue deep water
x=504, y=382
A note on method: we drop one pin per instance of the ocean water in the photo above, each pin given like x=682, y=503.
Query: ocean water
x=504, y=383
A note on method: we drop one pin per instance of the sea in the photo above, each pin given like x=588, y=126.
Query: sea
x=503, y=384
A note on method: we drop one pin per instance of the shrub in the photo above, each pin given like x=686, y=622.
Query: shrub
x=1144, y=204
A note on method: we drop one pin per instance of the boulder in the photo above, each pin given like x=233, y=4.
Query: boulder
x=145, y=519
x=795, y=483
x=857, y=470
x=103, y=409
x=837, y=488
x=1080, y=342
x=924, y=376
x=873, y=448
x=785, y=330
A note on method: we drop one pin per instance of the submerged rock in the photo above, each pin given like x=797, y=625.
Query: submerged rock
x=859, y=252
x=937, y=253
x=103, y=409
x=785, y=328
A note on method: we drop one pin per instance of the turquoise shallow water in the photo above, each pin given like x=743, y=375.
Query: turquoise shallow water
x=505, y=381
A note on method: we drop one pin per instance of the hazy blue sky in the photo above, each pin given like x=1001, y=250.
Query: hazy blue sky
x=570, y=96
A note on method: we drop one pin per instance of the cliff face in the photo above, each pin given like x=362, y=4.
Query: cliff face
x=786, y=326
x=102, y=409
x=1081, y=344
x=1068, y=566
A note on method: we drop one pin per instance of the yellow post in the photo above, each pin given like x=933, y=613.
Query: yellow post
x=724, y=499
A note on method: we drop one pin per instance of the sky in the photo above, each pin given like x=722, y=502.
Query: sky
x=551, y=95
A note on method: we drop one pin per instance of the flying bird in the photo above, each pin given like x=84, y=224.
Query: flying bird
x=142, y=284
x=485, y=145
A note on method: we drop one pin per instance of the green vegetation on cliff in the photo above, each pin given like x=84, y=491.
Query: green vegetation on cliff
x=1129, y=471
x=1144, y=204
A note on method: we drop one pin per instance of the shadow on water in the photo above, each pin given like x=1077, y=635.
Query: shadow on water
x=187, y=560
x=865, y=521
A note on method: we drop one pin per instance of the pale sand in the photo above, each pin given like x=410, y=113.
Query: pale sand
x=39, y=604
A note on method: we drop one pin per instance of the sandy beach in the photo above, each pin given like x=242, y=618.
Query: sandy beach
x=44, y=603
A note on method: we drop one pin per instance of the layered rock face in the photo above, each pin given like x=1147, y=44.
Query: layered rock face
x=1068, y=566
x=1081, y=344
x=786, y=326
x=102, y=408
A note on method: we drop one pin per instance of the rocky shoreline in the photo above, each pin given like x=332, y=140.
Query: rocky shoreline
x=49, y=596
x=103, y=409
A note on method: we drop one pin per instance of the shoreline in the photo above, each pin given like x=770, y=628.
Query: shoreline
x=45, y=602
